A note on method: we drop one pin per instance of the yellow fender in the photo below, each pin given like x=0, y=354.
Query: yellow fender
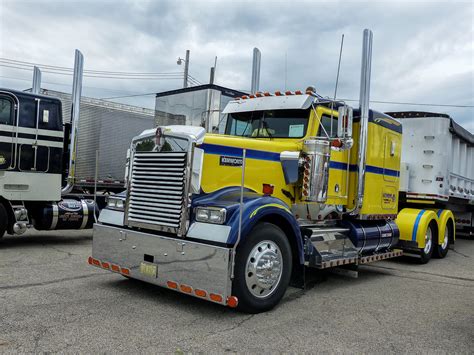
x=413, y=224
x=444, y=216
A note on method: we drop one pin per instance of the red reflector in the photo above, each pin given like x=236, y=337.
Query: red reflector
x=215, y=298
x=115, y=268
x=172, y=285
x=95, y=262
x=267, y=189
x=125, y=271
x=89, y=260
x=186, y=289
x=105, y=265
x=232, y=301
x=200, y=293
x=336, y=143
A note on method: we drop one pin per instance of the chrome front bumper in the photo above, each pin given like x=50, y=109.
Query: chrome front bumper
x=196, y=269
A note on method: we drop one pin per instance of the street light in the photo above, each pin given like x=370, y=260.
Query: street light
x=186, y=67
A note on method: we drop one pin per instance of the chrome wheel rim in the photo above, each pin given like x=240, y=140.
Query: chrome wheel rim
x=446, y=238
x=428, y=241
x=264, y=269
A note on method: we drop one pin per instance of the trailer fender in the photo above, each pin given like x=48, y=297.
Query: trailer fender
x=413, y=224
x=445, y=217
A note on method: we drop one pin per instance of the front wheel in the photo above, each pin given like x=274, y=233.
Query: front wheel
x=262, y=269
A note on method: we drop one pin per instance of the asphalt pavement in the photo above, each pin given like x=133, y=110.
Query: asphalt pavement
x=51, y=300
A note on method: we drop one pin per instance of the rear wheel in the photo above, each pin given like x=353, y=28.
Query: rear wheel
x=3, y=220
x=262, y=269
x=427, y=251
x=441, y=250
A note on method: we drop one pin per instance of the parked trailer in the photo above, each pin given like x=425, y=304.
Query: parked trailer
x=295, y=181
x=438, y=165
x=106, y=127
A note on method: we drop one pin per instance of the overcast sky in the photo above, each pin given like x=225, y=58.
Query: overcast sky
x=423, y=51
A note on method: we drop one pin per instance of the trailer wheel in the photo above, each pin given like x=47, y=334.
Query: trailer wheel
x=441, y=250
x=3, y=220
x=262, y=269
x=427, y=251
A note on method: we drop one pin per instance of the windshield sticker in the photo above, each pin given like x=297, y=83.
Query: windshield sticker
x=296, y=130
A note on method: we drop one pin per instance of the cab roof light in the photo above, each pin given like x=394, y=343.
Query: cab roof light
x=298, y=92
x=115, y=268
x=289, y=93
x=215, y=297
x=245, y=97
x=252, y=96
x=266, y=93
x=200, y=293
x=125, y=271
x=95, y=262
x=186, y=288
x=278, y=93
x=259, y=94
x=89, y=260
x=105, y=265
x=172, y=284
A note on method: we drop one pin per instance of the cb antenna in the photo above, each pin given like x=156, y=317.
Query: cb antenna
x=338, y=67
x=337, y=79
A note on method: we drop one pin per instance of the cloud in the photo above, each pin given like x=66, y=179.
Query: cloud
x=423, y=51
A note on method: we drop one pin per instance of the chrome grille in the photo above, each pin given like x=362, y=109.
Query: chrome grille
x=157, y=189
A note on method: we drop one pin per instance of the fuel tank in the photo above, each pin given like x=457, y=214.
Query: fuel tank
x=372, y=236
x=65, y=214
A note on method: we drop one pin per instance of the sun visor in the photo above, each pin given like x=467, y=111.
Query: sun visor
x=270, y=103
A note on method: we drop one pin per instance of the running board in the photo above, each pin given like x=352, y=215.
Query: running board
x=361, y=260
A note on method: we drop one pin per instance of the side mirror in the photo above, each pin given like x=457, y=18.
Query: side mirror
x=344, y=122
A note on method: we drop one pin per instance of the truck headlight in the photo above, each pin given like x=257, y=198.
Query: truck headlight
x=115, y=203
x=214, y=215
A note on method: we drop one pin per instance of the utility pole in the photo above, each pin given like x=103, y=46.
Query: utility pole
x=186, y=70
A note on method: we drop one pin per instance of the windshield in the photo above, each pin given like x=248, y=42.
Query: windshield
x=268, y=124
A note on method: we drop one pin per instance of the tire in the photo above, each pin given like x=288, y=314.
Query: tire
x=440, y=251
x=261, y=290
x=3, y=220
x=427, y=251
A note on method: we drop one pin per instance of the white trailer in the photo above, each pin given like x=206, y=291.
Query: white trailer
x=438, y=165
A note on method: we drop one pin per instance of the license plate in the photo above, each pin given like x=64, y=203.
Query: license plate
x=148, y=269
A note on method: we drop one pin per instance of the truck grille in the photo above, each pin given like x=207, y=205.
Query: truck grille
x=157, y=190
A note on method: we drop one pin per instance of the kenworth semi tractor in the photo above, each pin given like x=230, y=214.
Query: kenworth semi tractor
x=37, y=162
x=296, y=181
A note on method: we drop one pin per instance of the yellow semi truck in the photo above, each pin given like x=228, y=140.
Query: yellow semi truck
x=296, y=181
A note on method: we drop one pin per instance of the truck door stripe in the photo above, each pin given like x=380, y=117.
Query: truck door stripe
x=417, y=222
x=237, y=152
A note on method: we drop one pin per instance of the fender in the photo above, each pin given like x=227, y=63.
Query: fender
x=255, y=208
x=413, y=224
x=443, y=218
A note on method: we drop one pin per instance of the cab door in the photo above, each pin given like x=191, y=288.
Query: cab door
x=8, y=108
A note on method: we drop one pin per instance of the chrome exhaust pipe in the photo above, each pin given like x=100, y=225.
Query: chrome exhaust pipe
x=364, y=114
x=36, y=87
x=75, y=110
x=255, y=71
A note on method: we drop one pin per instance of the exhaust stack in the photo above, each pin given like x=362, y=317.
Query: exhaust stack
x=36, y=87
x=75, y=110
x=255, y=71
x=364, y=113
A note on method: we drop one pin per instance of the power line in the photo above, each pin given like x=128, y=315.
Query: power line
x=412, y=103
x=66, y=69
x=121, y=97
